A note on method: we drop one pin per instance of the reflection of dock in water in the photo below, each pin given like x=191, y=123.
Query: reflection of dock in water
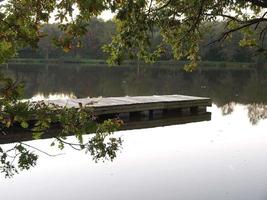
x=136, y=112
x=166, y=121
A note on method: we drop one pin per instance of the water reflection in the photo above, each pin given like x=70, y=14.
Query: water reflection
x=228, y=108
x=101, y=145
x=218, y=159
x=224, y=87
x=41, y=96
x=244, y=86
x=16, y=134
x=19, y=155
x=257, y=112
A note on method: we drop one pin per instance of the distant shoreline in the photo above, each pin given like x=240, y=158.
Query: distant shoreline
x=95, y=62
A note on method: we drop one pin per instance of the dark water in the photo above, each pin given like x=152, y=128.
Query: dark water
x=219, y=159
x=223, y=86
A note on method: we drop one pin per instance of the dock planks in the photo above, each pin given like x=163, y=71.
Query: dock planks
x=136, y=112
x=112, y=105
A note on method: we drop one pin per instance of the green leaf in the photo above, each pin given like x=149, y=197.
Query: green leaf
x=24, y=124
x=37, y=135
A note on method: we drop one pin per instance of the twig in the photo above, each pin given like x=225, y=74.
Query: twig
x=72, y=145
x=51, y=155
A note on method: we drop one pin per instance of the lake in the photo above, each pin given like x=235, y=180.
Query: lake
x=221, y=159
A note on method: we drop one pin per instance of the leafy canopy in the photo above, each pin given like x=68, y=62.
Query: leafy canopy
x=179, y=21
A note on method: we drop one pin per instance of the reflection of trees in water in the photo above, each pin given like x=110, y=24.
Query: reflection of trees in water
x=250, y=91
x=256, y=88
x=223, y=86
x=228, y=108
x=140, y=83
x=226, y=90
x=257, y=112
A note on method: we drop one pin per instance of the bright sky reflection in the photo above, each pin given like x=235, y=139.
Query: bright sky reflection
x=220, y=159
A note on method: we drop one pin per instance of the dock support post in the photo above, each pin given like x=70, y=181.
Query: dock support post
x=135, y=115
x=151, y=114
x=194, y=110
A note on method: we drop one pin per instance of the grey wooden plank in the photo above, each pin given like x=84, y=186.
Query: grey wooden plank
x=151, y=99
x=63, y=102
x=135, y=103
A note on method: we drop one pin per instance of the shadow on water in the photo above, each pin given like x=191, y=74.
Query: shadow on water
x=16, y=134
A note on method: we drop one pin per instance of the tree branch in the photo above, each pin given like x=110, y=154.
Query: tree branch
x=248, y=23
x=72, y=145
x=48, y=154
x=260, y=3
x=165, y=5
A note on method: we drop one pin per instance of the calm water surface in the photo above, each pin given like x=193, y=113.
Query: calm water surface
x=224, y=158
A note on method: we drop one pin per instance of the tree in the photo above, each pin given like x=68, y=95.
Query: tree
x=22, y=25
x=180, y=24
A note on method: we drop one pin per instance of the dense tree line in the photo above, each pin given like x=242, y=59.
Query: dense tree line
x=100, y=32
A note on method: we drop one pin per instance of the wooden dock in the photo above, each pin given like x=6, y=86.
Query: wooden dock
x=133, y=105
x=136, y=112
